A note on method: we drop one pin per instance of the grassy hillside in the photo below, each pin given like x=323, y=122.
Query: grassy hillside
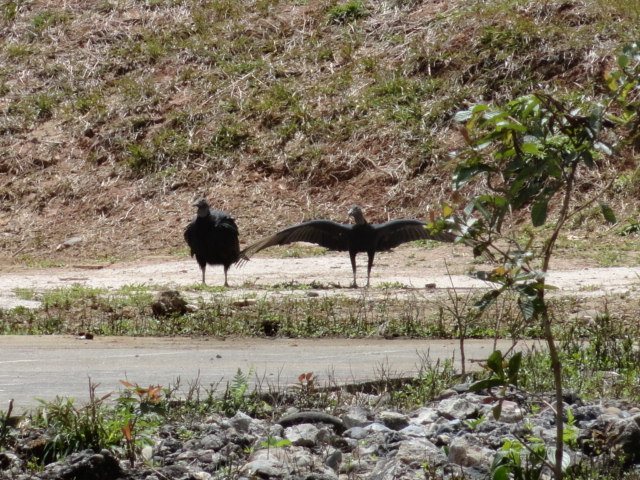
x=116, y=114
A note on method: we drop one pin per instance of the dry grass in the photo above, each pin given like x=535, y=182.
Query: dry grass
x=115, y=114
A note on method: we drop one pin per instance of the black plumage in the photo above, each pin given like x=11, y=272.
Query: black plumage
x=213, y=238
x=354, y=238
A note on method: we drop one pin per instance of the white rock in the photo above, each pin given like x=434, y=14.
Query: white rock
x=466, y=452
x=424, y=415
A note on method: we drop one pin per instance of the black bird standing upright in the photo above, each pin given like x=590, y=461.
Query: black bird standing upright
x=361, y=237
x=213, y=238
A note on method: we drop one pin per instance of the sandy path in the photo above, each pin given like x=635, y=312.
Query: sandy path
x=410, y=267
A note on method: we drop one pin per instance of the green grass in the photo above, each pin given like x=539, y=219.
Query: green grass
x=382, y=311
x=25, y=293
x=347, y=12
x=615, y=252
x=127, y=312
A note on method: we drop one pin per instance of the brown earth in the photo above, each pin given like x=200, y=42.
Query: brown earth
x=64, y=174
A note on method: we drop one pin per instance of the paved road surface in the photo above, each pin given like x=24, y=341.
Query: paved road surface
x=47, y=366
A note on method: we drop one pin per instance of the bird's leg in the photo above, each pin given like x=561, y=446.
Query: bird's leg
x=225, y=276
x=369, y=265
x=203, y=269
x=352, y=256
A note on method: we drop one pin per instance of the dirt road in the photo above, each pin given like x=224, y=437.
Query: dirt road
x=444, y=267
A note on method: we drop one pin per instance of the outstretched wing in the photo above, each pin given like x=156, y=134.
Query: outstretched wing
x=326, y=233
x=393, y=233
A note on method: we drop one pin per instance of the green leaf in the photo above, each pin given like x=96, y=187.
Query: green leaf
x=480, y=249
x=623, y=61
x=530, y=148
x=607, y=212
x=494, y=362
x=463, y=116
x=466, y=172
x=486, y=384
x=514, y=367
x=595, y=118
x=497, y=411
x=587, y=157
x=488, y=298
x=612, y=82
x=539, y=213
x=501, y=473
x=526, y=307
x=510, y=125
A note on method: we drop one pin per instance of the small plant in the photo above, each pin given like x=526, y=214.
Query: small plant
x=532, y=153
x=474, y=423
x=24, y=293
x=500, y=377
x=347, y=12
x=236, y=397
x=272, y=442
x=137, y=414
x=49, y=18
x=6, y=425
x=44, y=105
x=519, y=462
x=10, y=9
x=74, y=428
x=306, y=390
x=228, y=138
x=393, y=285
x=432, y=379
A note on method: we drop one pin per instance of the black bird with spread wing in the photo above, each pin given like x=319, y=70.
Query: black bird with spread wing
x=354, y=238
x=213, y=238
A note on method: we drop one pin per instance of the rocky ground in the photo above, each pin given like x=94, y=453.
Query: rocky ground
x=453, y=437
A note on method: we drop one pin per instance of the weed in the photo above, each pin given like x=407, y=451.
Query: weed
x=306, y=390
x=520, y=462
x=631, y=228
x=347, y=12
x=49, y=18
x=474, y=423
x=64, y=298
x=25, y=293
x=10, y=10
x=139, y=412
x=7, y=425
x=73, y=428
x=228, y=138
x=17, y=51
x=237, y=397
x=393, y=285
x=272, y=442
x=432, y=379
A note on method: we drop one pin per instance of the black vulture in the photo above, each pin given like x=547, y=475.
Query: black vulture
x=360, y=237
x=213, y=238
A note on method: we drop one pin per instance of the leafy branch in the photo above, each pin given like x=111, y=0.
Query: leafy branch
x=527, y=154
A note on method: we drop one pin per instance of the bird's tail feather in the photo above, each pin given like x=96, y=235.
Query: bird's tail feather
x=242, y=259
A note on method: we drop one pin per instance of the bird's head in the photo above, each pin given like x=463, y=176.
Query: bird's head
x=203, y=207
x=356, y=213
